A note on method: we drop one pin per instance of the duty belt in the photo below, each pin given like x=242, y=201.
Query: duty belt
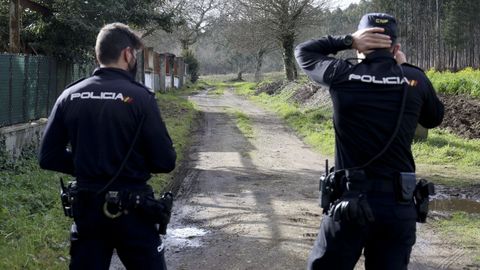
x=356, y=180
x=117, y=202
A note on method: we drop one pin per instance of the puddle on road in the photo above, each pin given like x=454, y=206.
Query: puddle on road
x=453, y=204
x=185, y=237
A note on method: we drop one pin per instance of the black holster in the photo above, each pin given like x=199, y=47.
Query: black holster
x=68, y=194
x=158, y=211
x=343, y=196
x=423, y=190
x=330, y=188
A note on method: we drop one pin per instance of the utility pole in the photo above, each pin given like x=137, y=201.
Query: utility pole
x=14, y=26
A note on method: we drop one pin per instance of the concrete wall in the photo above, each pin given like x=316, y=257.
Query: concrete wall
x=17, y=137
x=176, y=82
x=149, y=80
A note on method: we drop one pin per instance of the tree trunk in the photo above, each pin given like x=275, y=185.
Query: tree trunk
x=258, y=64
x=185, y=44
x=239, y=75
x=288, y=56
x=14, y=26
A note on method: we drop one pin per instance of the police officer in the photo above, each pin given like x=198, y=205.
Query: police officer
x=373, y=144
x=89, y=134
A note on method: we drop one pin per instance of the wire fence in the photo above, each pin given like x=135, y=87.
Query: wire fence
x=29, y=85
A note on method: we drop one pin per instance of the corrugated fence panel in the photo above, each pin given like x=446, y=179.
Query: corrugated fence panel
x=43, y=88
x=52, y=90
x=17, y=88
x=4, y=89
x=30, y=85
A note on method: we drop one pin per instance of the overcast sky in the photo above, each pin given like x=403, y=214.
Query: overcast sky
x=342, y=3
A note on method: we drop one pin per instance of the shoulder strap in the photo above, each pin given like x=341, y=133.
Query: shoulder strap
x=127, y=156
x=397, y=127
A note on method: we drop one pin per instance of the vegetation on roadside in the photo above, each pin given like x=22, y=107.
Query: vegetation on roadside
x=313, y=124
x=218, y=91
x=179, y=115
x=466, y=82
x=33, y=229
x=244, y=124
x=463, y=229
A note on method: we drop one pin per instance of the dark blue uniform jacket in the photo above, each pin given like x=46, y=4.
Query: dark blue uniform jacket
x=366, y=102
x=92, y=126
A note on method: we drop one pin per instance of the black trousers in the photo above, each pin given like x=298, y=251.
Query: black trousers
x=387, y=242
x=135, y=238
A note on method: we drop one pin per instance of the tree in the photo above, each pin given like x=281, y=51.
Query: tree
x=283, y=19
x=14, y=26
x=437, y=33
x=245, y=40
x=194, y=17
x=67, y=29
x=192, y=63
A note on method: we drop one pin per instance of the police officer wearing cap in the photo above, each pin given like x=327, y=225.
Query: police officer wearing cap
x=377, y=104
x=97, y=124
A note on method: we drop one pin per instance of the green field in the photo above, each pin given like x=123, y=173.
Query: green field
x=33, y=229
x=466, y=82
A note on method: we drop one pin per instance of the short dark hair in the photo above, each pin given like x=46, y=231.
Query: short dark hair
x=112, y=39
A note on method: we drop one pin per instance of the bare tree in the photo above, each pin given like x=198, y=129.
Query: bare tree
x=194, y=17
x=246, y=38
x=283, y=18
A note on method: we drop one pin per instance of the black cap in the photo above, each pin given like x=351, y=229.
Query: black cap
x=383, y=20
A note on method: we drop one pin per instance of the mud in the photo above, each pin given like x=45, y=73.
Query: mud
x=451, y=205
x=462, y=115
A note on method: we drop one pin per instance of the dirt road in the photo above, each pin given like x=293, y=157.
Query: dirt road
x=255, y=200
x=252, y=203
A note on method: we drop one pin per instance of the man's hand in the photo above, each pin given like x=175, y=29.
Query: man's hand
x=366, y=40
x=400, y=57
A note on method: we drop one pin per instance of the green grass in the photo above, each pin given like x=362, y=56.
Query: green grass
x=464, y=230
x=245, y=89
x=313, y=125
x=33, y=230
x=244, y=124
x=179, y=115
x=218, y=91
x=466, y=81
x=445, y=148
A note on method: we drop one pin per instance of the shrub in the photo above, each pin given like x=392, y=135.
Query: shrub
x=466, y=82
x=192, y=63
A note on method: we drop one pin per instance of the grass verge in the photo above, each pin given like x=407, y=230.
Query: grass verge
x=33, y=229
x=179, y=115
x=244, y=124
x=464, y=230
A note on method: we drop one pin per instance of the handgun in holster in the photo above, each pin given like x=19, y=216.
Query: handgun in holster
x=67, y=197
x=159, y=211
x=423, y=190
x=330, y=187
